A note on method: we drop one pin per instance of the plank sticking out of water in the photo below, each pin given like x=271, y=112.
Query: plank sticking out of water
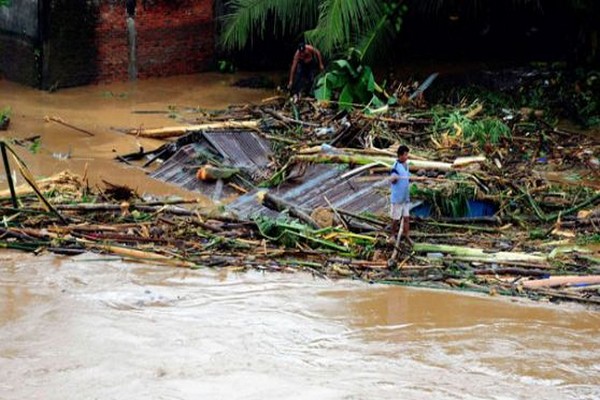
x=562, y=280
x=149, y=112
x=172, y=131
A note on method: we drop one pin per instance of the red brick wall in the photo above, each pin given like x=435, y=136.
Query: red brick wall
x=173, y=37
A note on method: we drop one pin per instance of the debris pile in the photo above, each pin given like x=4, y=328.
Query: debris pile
x=504, y=204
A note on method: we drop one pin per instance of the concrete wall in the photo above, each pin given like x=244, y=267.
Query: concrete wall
x=20, y=18
x=61, y=43
x=68, y=32
x=19, y=42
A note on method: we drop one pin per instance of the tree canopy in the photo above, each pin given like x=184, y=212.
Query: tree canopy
x=368, y=25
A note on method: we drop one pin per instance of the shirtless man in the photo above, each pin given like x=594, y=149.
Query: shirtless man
x=303, y=71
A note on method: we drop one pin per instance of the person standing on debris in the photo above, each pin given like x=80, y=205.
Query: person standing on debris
x=400, y=194
x=304, y=68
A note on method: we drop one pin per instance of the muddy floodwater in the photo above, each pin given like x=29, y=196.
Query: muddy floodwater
x=94, y=327
x=103, y=110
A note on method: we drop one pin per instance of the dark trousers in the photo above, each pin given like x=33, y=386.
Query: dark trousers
x=305, y=75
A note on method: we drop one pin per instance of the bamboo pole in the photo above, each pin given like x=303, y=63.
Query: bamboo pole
x=26, y=174
x=173, y=131
x=135, y=254
x=360, y=159
x=60, y=121
x=11, y=184
x=477, y=254
x=562, y=280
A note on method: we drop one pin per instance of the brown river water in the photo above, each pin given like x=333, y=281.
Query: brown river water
x=94, y=327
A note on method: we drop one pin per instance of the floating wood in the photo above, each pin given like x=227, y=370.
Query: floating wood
x=173, y=131
x=477, y=254
x=60, y=121
x=279, y=204
x=562, y=281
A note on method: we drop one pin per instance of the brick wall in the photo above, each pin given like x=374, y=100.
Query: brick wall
x=78, y=42
x=173, y=37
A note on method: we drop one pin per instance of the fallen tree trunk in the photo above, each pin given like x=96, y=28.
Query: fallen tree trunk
x=173, y=131
x=562, y=281
x=278, y=204
x=363, y=159
x=477, y=254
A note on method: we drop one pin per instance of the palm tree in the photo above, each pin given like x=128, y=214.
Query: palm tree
x=329, y=24
x=335, y=25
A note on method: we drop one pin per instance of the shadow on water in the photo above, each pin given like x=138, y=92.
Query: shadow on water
x=131, y=41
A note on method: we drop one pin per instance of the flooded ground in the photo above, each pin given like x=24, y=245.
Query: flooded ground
x=94, y=327
x=100, y=109
x=87, y=327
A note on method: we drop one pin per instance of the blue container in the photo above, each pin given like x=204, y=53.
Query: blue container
x=476, y=208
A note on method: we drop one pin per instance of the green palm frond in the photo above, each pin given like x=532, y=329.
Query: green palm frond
x=382, y=34
x=340, y=20
x=253, y=19
x=375, y=39
x=335, y=25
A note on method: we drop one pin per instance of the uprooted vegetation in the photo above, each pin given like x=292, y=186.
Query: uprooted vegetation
x=507, y=200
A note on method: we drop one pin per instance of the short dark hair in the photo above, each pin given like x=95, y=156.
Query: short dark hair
x=403, y=150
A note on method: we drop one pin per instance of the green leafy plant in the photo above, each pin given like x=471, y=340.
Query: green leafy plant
x=4, y=117
x=5, y=113
x=332, y=25
x=226, y=67
x=483, y=130
x=589, y=239
x=351, y=83
x=450, y=201
x=35, y=146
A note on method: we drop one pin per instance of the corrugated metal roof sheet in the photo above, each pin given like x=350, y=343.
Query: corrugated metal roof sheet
x=241, y=149
x=351, y=194
x=248, y=151
x=180, y=170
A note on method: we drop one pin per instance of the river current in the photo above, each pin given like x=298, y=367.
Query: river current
x=95, y=327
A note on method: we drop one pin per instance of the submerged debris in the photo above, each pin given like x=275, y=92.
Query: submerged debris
x=503, y=204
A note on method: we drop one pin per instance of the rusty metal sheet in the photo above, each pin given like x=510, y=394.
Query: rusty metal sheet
x=180, y=170
x=322, y=181
x=241, y=149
